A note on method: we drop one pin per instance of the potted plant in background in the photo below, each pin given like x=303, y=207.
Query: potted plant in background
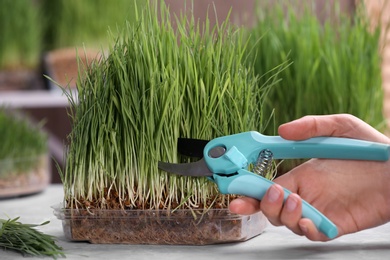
x=158, y=84
x=20, y=45
x=334, y=66
x=79, y=29
x=24, y=158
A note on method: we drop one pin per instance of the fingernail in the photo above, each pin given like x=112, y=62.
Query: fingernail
x=273, y=194
x=291, y=204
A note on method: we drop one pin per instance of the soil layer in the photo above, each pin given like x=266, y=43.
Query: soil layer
x=182, y=227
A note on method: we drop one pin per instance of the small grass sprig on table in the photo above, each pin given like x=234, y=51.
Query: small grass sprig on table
x=27, y=240
x=158, y=84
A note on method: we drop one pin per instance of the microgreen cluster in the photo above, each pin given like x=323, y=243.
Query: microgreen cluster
x=335, y=65
x=158, y=84
x=20, y=42
x=27, y=240
x=22, y=144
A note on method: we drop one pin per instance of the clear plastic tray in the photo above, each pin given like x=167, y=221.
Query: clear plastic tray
x=32, y=176
x=181, y=227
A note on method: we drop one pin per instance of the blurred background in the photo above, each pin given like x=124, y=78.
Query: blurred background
x=336, y=64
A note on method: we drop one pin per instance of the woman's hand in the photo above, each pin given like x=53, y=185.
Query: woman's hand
x=355, y=195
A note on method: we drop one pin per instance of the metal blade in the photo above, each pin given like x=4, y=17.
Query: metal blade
x=196, y=169
x=191, y=147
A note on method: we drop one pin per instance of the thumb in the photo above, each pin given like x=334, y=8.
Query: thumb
x=338, y=125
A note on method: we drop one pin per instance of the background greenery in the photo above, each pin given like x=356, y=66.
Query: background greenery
x=30, y=27
x=84, y=23
x=334, y=67
x=22, y=144
x=21, y=31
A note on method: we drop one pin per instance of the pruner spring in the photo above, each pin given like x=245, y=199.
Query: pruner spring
x=263, y=162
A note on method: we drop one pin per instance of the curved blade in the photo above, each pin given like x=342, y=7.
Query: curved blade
x=198, y=168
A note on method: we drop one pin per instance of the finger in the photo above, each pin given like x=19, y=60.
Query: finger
x=292, y=213
x=310, y=126
x=272, y=204
x=308, y=229
x=244, y=206
x=291, y=179
x=339, y=125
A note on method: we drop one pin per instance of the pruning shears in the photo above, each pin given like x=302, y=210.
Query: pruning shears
x=227, y=161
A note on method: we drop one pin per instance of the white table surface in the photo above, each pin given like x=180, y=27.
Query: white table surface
x=34, y=99
x=274, y=243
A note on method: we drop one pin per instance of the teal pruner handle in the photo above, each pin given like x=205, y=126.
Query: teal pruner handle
x=249, y=184
x=243, y=149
